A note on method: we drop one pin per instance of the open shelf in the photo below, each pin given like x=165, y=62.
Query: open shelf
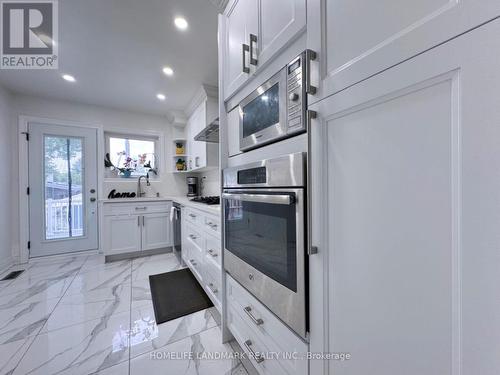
x=176, y=157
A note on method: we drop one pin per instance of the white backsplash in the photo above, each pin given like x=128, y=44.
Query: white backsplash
x=211, y=184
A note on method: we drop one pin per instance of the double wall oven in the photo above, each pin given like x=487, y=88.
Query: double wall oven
x=265, y=239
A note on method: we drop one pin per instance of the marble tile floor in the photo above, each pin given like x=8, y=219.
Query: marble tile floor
x=77, y=315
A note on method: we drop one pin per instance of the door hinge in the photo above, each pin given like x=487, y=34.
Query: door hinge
x=28, y=190
x=29, y=245
x=27, y=136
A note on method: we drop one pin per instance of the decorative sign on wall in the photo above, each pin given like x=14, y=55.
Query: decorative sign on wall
x=113, y=194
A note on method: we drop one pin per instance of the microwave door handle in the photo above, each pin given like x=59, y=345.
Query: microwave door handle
x=284, y=199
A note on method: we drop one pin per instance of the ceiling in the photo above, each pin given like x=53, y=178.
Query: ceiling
x=116, y=50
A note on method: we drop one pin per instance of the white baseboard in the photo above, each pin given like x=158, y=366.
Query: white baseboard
x=5, y=264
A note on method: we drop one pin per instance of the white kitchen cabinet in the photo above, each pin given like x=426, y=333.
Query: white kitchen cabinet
x=133, y=227
x=241, y=21
x=250, y=321
x=201, y=250
x=122, y=234
x=255, y=31
x=202, y=155
x=357, y=38
x=280, y=22
x=405, y=216
x=156, y=231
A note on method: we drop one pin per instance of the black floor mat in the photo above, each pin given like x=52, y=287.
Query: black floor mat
x=176, y=294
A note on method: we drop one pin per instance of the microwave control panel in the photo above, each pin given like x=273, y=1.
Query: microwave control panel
x=295, y=95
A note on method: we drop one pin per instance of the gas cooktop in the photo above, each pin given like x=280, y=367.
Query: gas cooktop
x=207, y=200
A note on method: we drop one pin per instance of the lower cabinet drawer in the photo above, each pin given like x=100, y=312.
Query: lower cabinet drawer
x=253, y=346
x=195, y=237
x=213, y=284
x=267, y=327
x=212, y=224
x=136, y=208
x=213, y=250
x=196, y=265
x=194, y=217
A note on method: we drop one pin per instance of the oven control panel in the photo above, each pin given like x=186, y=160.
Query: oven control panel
x=295, y=111
x=252, y=176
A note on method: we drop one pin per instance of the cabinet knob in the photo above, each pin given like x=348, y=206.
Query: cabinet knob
x=293, y=97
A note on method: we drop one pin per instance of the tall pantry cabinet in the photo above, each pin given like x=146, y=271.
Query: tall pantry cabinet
x=406, y=198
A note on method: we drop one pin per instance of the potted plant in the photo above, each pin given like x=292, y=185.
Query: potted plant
x=179, y=148
x=128, y=167
x=180, y=165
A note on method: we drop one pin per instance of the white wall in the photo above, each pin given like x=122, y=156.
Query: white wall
x=6, y=151
x=169, y=184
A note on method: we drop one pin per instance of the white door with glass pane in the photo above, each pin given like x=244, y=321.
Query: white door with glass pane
x=63, y=189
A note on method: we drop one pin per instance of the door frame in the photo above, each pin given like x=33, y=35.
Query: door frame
x=24, y=228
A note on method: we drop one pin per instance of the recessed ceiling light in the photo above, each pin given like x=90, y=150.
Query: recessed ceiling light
x=161, y=96
x=168, y=71
x=181, y=23
x=68, y=77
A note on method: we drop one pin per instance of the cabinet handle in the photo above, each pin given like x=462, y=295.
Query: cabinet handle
x=245, y=48
x=310, y=56
x=253, y=41
x=193, y=262
x=193, y=216
x=138, y=221
x=196, y=159
x=143, y=222
x=140, y=208
x=258, y=358
x=193, y=237
x=214, y=290
x=213, y=253
x=257, y=321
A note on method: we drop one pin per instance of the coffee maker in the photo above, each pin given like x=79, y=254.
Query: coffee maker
x=192, y=183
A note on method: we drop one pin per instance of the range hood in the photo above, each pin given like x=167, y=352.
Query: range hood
x=210, y=133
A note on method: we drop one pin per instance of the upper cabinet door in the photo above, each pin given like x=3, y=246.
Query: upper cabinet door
x=358, y=38
x=241, y=21
x=280, y=22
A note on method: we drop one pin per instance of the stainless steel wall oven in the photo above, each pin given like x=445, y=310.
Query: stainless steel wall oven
x=265, y=234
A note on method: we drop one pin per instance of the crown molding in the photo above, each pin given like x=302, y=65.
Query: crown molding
x=203, y=93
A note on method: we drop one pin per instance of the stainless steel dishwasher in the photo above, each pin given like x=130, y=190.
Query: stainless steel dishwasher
x=177, y=231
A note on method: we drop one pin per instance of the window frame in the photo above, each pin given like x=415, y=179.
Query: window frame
x=144, y=136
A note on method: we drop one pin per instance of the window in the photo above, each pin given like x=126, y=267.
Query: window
x=134, y=152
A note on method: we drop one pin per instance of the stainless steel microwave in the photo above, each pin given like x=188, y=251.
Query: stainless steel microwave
x=278, y=108
x=265, y=234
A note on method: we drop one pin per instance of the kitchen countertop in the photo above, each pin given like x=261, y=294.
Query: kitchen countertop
x=135, y=200
x=184, y=201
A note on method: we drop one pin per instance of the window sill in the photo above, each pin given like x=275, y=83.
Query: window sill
x=116, y=179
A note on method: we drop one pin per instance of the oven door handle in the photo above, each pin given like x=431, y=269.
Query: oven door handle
x=285, y=199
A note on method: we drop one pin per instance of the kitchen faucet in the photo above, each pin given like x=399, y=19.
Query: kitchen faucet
x=140, y=193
